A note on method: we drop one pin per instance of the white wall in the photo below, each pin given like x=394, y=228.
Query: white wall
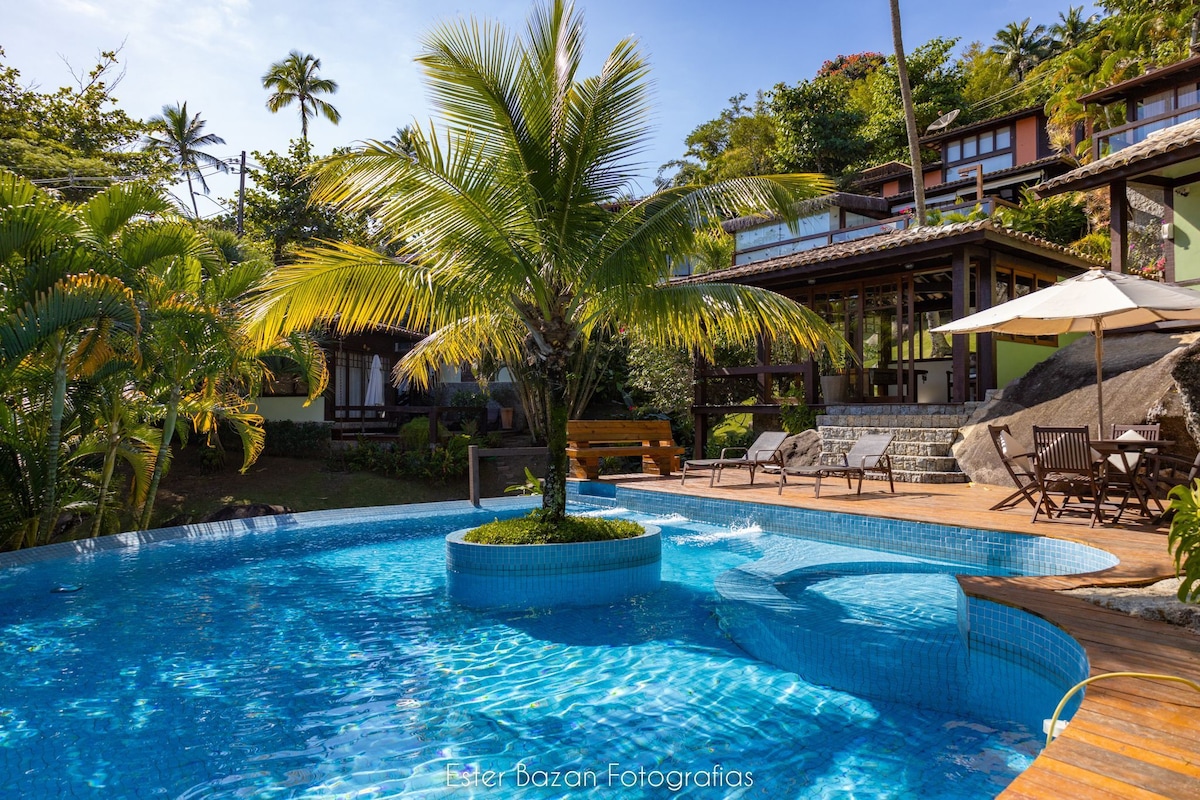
x=293, y=408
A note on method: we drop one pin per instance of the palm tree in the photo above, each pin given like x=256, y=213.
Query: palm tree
x=527, y=244
x=182, y=138
x=1071, y=29
x=295, y=80
x=60, y=311
x=1021, y=47
x=910, y=116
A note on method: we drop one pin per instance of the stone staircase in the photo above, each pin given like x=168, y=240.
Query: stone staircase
x=924, y=434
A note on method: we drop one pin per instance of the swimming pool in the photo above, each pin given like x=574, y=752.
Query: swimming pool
x=323, y=659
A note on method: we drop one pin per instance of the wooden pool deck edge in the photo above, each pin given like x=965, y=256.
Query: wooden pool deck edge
x=1131, y=737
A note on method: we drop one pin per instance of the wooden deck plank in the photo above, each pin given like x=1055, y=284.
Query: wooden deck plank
x=1132, y=739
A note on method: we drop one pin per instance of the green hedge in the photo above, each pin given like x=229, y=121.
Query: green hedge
x=297, y=439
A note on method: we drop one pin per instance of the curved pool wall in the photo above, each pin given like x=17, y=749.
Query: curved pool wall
x=548, y=575
x=996, y=662
x=133, y=540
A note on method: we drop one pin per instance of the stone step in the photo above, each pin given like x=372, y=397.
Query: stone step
x=839, y=437
x=912, y=409
x=892, y=421
x=903, y=476
x=911, y=449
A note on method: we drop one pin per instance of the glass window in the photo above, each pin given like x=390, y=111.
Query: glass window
x=1188, y=95
x=985, y=142
x=1003, y=138
x=1154, y=105
x=968, y=150
x=953, y=151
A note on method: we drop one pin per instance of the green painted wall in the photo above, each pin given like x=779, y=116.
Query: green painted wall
x=292, y=408
x=1187, y=234
x=1014, y=359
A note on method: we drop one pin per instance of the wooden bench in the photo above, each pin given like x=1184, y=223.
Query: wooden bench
x=589, y=440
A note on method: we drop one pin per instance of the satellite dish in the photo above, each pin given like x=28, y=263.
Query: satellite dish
x=943, y=121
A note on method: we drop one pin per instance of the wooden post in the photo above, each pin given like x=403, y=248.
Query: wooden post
x=960, y=291
x=985, y=364
x=1118, y=225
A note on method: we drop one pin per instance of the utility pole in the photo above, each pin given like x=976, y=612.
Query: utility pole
x=241, y=194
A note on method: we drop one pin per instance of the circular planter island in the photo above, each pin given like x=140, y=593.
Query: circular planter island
x=547, y=575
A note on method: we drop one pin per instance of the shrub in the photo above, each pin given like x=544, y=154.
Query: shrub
x=533, y=530
x=1183, y=541
x=797, y=417
x=414, y=434
x=297, y=439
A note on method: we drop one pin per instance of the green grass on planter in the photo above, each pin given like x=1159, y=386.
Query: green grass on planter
x=532, y=530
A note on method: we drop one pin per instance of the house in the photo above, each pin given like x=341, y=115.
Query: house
x=1149, y=161
x=992, y=159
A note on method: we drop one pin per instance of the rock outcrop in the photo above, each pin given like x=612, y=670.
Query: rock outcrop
x=1139, y=386
x=802, y=450
x=245, y=511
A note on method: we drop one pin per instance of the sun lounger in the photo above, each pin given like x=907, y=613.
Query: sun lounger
x=764, y=452
x=868, y=455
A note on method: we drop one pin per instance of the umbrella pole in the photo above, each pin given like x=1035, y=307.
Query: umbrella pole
x=1098, y=332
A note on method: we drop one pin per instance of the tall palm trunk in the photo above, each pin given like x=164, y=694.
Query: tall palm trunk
x=58, y=401
x=192, y=194
x=112, y=445
x=910, y=116
x=160, y=461
x=558, y=411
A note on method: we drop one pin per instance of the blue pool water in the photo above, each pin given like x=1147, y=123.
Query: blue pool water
x=326, y=661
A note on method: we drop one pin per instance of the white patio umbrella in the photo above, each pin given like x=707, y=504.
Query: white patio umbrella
x=374, y=396
x=1096, y=301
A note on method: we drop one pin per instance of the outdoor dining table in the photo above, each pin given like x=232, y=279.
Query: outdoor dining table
x=1133, y=453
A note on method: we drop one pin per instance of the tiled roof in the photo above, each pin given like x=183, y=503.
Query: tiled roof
x=894, y=240
x=1159, y=143
x=1145, y=78
x=851, y=202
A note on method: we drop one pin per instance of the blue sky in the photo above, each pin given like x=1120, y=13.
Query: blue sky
x=212, y=53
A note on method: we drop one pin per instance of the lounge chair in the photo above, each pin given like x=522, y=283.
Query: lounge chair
x=868, y=455
x=764, y=452
x=1018, y=460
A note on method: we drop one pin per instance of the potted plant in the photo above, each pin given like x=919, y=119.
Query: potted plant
x=834, y=381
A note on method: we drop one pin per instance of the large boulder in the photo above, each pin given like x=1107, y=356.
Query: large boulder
x=1138, y=387
x=801, y=450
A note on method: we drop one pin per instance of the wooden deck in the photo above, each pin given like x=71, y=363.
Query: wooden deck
x=1132, y=737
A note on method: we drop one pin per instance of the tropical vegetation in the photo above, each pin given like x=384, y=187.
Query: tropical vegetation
x=120, y=328
x=524, y=243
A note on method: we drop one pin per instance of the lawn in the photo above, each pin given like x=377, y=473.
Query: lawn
x=191, y=490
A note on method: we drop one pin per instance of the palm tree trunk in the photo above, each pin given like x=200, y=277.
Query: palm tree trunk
x=910, y=116
x=160, y=460
x=110, y=463
x=192, y=194
x=54, y=440
x=558, y=411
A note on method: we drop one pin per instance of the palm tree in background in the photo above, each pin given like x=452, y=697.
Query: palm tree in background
x=1071, y=29
x=182, y=138
x=531, y=247
x=295, y=80
x=1021, y=47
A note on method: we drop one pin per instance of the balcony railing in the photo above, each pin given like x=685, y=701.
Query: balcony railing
x=874, y=228
x=1113, y=140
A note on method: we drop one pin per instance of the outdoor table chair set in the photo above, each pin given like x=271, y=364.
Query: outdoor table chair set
x=1065, y=470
